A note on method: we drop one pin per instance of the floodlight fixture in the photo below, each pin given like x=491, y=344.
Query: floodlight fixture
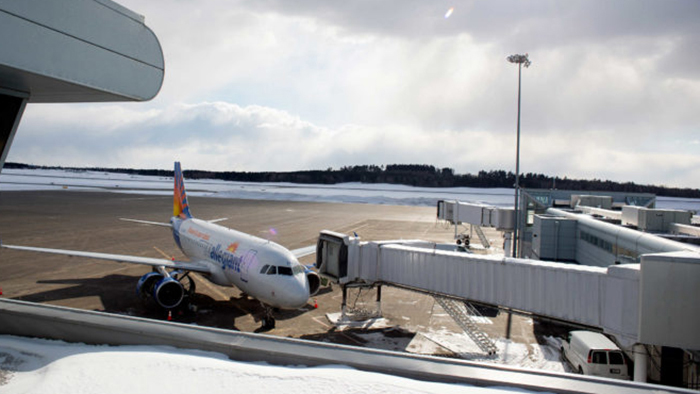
x=520, y=59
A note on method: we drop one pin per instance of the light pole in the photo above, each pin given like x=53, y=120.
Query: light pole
x=521, y=60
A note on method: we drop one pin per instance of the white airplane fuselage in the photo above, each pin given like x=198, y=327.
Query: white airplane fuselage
x=242, y=260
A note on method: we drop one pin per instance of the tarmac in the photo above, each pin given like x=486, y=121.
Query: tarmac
x=89, y=221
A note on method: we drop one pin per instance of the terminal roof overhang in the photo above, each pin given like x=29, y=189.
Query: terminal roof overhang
x=77, y=51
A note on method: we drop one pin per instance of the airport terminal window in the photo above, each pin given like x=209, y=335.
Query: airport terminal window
x=595, y=241
x=543, y=199
x=284, y=271
x=624, y=254
x=264, y=268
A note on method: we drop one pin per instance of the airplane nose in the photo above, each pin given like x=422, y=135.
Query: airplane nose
x=301, y=293
x=299, y=298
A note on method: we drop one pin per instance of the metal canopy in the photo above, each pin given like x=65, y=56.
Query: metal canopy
x=77, y=51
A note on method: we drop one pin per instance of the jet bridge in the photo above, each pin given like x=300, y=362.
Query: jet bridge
x=477, y=216
x=627, y=301
x=458, y=212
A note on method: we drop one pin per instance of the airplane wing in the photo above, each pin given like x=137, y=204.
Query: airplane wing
x=120, y=258
x=147, y=222
x=165, y=224
x=305, y=251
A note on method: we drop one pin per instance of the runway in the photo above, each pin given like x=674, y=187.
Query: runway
x=90, y=221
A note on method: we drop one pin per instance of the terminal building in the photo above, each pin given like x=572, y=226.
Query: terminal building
x=600, y=230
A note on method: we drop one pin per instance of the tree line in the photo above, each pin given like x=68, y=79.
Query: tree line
x=406, y=174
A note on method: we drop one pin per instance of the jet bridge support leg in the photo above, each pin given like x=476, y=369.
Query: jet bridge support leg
x=343, y=306
x=509, y=323
x=379, y=300
x=507, y=243
x=640, y=363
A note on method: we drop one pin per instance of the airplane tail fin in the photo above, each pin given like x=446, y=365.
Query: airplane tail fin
x=180, y=206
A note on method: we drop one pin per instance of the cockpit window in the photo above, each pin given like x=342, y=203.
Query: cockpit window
x=280, y=270
x=284, y=271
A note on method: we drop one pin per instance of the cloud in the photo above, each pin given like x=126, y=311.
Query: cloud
x=226, y=137
x=362, y=62
x=538, y=23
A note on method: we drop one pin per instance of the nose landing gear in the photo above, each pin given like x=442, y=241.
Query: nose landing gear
x=268, y=321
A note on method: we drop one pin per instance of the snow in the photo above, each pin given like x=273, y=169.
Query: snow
x=46, y=366
x=428, y=341
x=343, y=321
x=27, y=179
x=532, y=356
x=24, y=179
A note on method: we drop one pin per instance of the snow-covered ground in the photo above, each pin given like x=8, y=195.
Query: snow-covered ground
x=14, y=179
x=55, y=367
x=436, y=338
x=534, y=356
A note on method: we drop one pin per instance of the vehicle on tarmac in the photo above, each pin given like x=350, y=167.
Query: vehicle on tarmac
x=592, y=353
x=260, y=268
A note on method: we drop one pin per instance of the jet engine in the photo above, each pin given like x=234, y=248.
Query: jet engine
x=314, y=282
x=167, y=291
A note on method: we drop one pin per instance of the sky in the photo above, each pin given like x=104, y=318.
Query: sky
x=270, y=85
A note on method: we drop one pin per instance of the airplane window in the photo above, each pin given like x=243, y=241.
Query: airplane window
x=264, y=268
x=272, y=270
x=297, y=269
x=284, y=271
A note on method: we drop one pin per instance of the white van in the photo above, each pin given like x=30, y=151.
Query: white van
x=591, y=353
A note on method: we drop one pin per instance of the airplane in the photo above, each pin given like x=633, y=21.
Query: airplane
x=260, y=268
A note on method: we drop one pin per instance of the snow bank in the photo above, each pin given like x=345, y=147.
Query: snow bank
x=44, y=366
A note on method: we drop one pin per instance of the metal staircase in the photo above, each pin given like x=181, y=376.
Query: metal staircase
x=462, y=314
x=482, y=236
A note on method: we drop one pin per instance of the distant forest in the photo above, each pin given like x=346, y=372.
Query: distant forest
x=407, y=174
